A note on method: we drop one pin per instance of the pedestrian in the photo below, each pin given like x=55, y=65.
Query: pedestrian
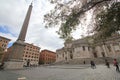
x=107, y=63
x=28, y=63
x=83, y=62
x=2, y=66
x=93, y=66
x=116, y=65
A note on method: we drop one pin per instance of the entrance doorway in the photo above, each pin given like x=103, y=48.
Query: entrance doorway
x=71, y=56
x=95, y=55
x=66, y=58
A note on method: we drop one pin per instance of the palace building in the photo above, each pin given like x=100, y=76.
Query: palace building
x=31, y=54
x=47, y=57
x=4, y=43
x=3, y=46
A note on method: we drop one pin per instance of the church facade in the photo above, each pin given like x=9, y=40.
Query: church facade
x=83, y=49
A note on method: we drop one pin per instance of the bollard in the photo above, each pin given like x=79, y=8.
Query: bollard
x=22, y=78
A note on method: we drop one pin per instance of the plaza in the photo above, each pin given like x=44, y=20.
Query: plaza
x=62, y=72
x=97, y=43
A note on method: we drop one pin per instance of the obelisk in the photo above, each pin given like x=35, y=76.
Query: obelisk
x=25, y=25
x=15, y=55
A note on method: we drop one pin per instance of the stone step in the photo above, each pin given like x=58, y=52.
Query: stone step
x=87, y=61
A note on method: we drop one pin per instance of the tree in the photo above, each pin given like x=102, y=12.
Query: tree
x=68, y=14
x=1, y=53
x=1, y=49
x=108, y=21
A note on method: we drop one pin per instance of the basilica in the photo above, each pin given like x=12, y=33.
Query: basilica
x=85, y=48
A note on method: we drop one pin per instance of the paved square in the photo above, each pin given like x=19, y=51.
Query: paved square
x=64, y=72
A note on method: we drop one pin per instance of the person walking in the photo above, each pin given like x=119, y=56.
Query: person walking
x=107, y=63
x=83, y=62
x=116, y=65
x=2, y=66
x=93, y=66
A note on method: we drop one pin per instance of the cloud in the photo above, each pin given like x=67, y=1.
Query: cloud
x=12, y=14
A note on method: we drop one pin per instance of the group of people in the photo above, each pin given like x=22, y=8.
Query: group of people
x=115, y=63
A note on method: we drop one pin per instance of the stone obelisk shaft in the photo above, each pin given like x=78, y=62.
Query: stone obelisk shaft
x=23, y=32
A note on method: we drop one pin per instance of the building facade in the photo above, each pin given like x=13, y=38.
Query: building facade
x=82, y=48
x=4, y=43
x=74, y=49
x=108, y=48
x=3, y=47
x=31, y=54
x=47, y=57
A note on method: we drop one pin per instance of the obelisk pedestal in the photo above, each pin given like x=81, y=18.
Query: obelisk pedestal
x=15, y=60
x=14, y=64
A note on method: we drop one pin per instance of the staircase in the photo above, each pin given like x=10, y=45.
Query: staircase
x=87, y=61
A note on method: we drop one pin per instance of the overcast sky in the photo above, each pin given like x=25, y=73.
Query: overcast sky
x=12, y=14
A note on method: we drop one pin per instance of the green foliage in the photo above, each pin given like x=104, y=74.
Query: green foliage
x=108, y=21
x=1, y=53
x=1, y=50
x=68, y=14
x=69, y=26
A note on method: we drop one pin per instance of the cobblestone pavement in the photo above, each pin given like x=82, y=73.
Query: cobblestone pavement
x=69, y=72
